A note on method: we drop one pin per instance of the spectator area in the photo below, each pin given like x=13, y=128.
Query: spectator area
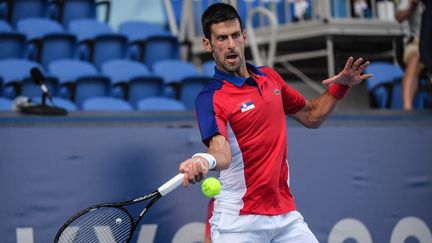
x=84, y=55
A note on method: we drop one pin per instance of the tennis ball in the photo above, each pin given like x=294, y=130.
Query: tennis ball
x=211, y=187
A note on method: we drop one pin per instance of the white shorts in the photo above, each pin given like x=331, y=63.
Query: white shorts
x=289, y=227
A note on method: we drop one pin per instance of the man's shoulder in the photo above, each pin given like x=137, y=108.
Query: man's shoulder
x=267, y=70
x=270, y=73
x=206, y=96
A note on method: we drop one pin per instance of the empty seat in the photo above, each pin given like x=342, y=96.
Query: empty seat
x=380, y=85
x=4, y=26
x=15, y=74
x=150, y=43
x=141, y=30
x=133, y=78
x=17, y=10
x=48, y=41
x=208, y=68
x=79, y=80
x=174, y=73
x=160, y=104
x=67, y=11
x=98, y=42
x=190, y=87
x=58, y=102
x=106, y=104
x=12, y=44
x=422, y=98
x=3, y=10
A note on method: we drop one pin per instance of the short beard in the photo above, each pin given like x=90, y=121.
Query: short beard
x=233, y=69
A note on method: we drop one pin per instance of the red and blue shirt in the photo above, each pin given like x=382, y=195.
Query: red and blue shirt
x=250, y=114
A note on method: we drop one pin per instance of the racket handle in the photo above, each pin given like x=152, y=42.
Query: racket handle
x=172, y=184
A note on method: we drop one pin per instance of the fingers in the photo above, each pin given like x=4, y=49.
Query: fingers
x=366, y=76
x=357, y=64
x=351, y=74
x=328, y=81
x=363, y=67
x=194, y=171
x=349, y=63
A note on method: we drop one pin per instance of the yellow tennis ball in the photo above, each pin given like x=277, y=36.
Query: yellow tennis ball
x=211, y=187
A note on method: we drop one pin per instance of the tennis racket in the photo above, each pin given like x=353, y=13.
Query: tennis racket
x=110, y=222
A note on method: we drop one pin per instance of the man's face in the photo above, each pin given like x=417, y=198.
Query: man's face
x=227, y=44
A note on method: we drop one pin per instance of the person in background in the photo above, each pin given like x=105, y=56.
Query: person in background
x=359, y=7
x=300, y=8
x=242, y=119
x=411, y=10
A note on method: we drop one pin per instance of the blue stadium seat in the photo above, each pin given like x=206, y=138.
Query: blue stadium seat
x=35, y=28
x=17, y=10
x=106, y=104
x=79, y=80
x=58, y=102
x=141, y=30
x=67, y=11
x=15, y=74
x=12, y=44
x=3, y=10
x=160, y=104
x=396, y=95
x=208, y=68
x=190, y=87
x=98, y=42
x=135, y=79
x=421, y=100
x=380, y=85
x=30, y=89
x=149, y=43
x=48, y=41
x=5, y=104
x=4, y=26
x=173, y=72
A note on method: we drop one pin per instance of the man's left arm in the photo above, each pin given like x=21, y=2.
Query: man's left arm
x=316, y=110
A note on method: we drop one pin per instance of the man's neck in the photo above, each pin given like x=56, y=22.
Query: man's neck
x=242, y=72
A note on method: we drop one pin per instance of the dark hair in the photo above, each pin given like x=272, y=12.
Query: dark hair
x=218, y=13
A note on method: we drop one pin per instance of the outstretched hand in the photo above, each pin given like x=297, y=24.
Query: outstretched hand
x=351, y=75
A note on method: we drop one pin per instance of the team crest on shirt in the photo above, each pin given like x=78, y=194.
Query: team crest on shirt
x=276, y=91
x=249, y=105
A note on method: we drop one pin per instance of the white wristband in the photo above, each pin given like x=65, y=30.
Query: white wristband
x=210, y=158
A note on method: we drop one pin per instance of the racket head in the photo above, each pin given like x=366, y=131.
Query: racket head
x=102, y=223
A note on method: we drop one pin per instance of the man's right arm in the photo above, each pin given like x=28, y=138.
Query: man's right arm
x=193, y=167
x=220, y=149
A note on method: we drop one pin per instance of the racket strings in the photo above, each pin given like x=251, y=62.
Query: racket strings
x=107, y=225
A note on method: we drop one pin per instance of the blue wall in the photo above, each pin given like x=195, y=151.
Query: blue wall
x=371, y=173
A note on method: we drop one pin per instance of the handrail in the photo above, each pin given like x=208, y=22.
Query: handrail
x=252, y=37
x=171, y=17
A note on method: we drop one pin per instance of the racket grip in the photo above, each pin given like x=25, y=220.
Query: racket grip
x=170, y=185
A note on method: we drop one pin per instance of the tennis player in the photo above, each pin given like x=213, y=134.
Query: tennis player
x=241, y=116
